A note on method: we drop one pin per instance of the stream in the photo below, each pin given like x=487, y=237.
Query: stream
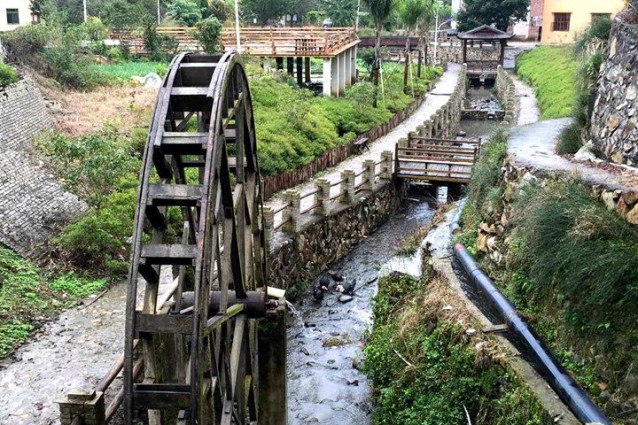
x=325, y=339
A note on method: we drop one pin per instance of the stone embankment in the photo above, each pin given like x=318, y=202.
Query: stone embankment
x=32, y=203
x=614, y=126
x=319, y=222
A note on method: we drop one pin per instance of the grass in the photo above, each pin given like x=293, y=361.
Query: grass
x=552, y=72
x=426, y=369
x=122, y=72
x=25, y=297
x=484, y=191
x=570, y=139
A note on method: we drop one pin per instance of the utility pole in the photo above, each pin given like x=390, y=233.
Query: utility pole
x=85, y=17
x=237, y=26
x=436, y=30
x=159, y=18
x=356, y=22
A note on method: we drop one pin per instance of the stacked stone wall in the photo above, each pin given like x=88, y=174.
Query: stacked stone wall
x=506, y=93
x=614, y=125
x=32, y=203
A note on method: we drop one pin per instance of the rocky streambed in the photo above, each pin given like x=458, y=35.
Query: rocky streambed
x=325, y=337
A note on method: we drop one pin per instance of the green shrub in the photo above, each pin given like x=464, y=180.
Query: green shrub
x=207, y=32
x=27, y=40
x=91, y=166
x=570, y=139
x=160, y=47
x=599, y=29
x=8, y=75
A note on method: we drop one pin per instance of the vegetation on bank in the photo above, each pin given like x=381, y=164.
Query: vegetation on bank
x=25, y=297
x=430, y=365
x=552, y=71
x=485, y=194
x=569, y=266
x=8, y=75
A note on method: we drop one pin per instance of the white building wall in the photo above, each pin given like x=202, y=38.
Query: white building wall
x=24, y=13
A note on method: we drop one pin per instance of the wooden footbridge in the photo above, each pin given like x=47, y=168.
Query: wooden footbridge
x=426, y=159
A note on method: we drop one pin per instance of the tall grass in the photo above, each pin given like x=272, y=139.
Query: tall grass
x=579, y=254
x=552, y=72
x=484, y=191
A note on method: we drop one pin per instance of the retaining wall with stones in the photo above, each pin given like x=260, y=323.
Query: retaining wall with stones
x=614, y=125
x=506, y=93
x=32, y=203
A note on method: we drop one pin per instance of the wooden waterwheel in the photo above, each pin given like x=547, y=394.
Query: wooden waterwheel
x=198, y=221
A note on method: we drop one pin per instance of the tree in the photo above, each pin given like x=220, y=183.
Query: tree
x=342, y=12
x=263, y=10
x=410, y=11
x=488, y=12
x=186, y=12
x=379, y=11
x=207, y=32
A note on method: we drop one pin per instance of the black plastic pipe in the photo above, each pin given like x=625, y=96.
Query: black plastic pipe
x=568, y=390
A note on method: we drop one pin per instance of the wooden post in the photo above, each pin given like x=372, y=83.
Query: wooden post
x=464, y=51
x=273, y=408
x=299, y=72
x=307, y=66
x=290, y=64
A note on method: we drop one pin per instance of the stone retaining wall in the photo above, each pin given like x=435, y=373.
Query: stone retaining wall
x=32, y=204
x=506, y=93
x=614, y=126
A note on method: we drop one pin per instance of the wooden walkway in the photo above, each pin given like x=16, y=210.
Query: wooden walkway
x=436, y=160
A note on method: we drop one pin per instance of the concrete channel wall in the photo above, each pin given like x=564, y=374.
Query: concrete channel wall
x=315, y=229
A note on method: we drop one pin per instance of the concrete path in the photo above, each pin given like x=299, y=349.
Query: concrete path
x=434, y=100
x=534, y=146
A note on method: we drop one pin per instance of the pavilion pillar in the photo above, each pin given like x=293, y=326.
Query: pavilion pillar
x=346, y=57
x=299, y=72
x=307, y=69
x=353, y=64
x=327, y=76
x=343, y=67
x=290, y=63
x=464, y=51
x=502, y=58
x=334, y=86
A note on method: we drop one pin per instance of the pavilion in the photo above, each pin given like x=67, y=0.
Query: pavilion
x=336, y=46
x=487, y=50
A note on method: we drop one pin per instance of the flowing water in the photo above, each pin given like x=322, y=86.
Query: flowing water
x=325, y=384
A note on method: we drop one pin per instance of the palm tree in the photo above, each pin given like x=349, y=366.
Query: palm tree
x=410, y=11
x=379, y=10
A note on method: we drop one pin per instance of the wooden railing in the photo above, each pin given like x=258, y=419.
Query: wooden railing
x=296, y=207
x=430, y=159
x=298, y=41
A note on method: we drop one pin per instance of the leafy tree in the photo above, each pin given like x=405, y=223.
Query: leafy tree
x=410, y=12
x=488, y=12
x=342, y=12
x=263, y=10
x=379, y=11
x=186, y=12
x=207, y=33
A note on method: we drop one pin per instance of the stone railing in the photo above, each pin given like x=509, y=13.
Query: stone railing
x=326, y=197
x=506, y=93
